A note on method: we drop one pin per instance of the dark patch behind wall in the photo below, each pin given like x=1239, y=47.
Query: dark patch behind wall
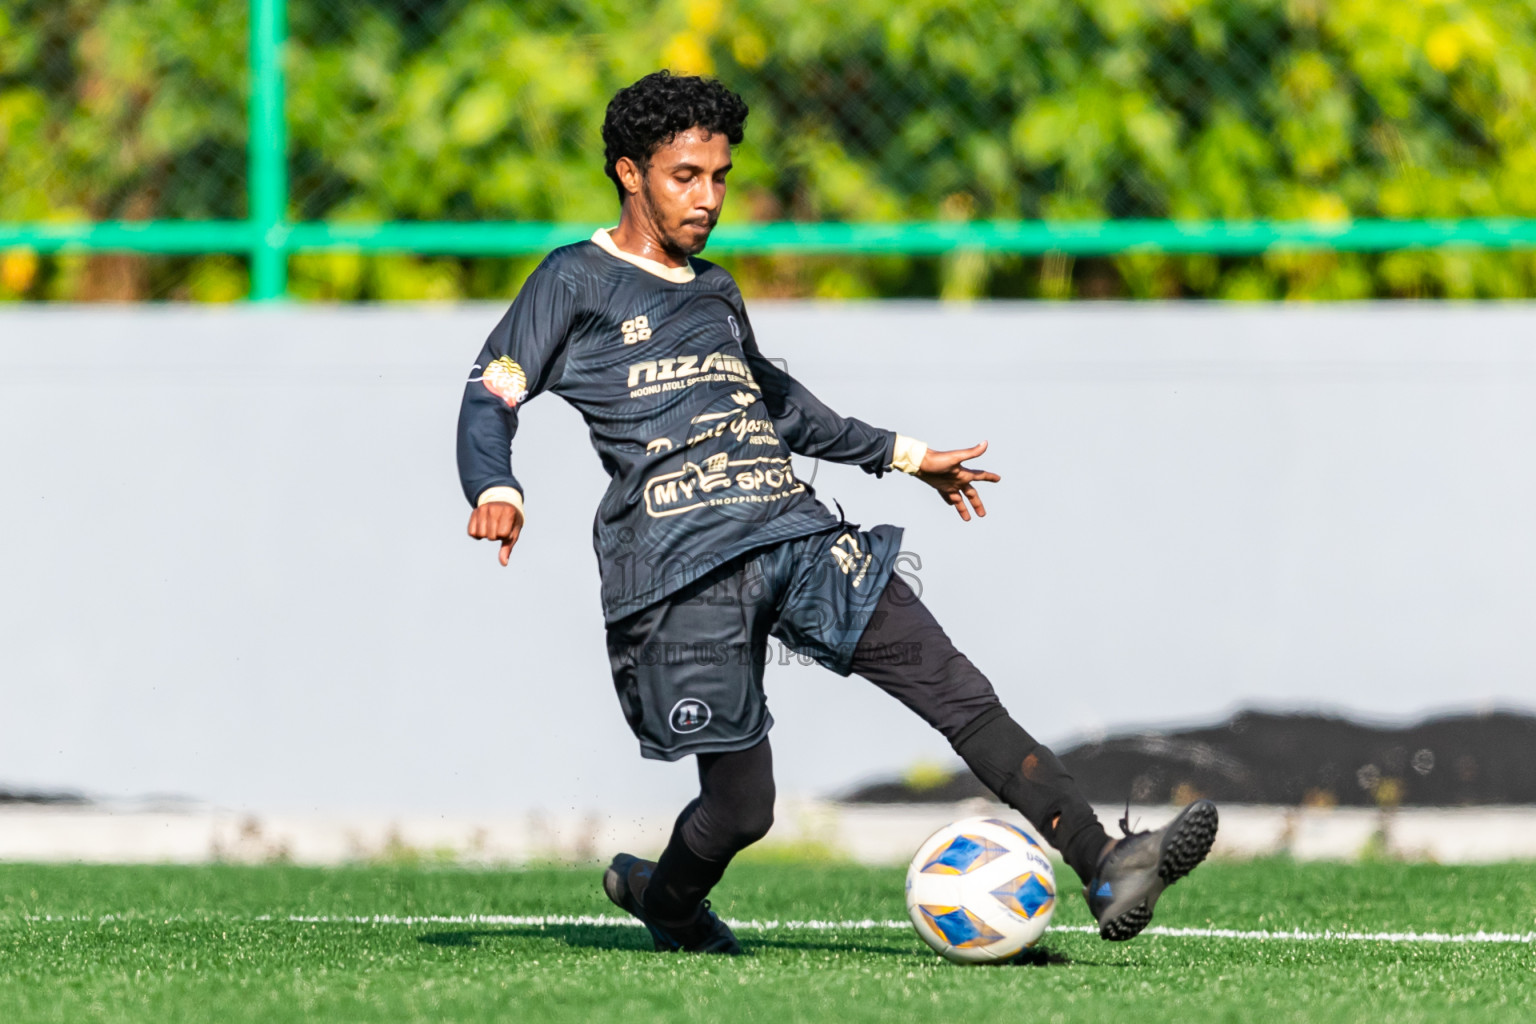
x=1264, y=758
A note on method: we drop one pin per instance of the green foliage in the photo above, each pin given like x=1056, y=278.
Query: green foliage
x=118, y=109
x=926, y=775
x=864, y=110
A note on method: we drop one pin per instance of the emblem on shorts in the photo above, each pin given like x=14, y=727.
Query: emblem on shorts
x=689, y=715
x=850, y=558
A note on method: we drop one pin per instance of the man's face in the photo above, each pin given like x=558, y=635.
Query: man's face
x=683, y=189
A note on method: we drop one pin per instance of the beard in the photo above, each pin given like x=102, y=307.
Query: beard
x=676, y=243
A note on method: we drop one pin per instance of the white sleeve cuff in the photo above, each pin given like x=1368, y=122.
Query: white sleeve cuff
x=510, y=495
x=907, y=455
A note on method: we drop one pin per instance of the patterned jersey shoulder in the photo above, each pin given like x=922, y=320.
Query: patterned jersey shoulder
x=597, y=279
x=713, y=275
x=577, y=263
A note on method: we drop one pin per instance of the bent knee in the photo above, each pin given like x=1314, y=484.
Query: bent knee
x=754, y=824
x=749, y=820
x=719, y=833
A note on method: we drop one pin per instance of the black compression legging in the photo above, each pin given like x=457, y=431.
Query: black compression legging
x=733, y=810
x=907, y=654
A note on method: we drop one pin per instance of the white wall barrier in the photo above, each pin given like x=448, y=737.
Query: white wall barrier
x=235, y=566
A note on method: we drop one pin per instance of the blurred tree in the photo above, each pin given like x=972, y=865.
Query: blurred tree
x=862, y=110
x=119, y=109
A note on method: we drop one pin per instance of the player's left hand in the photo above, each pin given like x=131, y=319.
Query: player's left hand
x=944, y=473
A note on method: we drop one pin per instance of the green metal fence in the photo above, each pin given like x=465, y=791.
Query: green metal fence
x=1204, y=71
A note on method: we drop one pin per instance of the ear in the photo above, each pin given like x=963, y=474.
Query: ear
x=629, y=174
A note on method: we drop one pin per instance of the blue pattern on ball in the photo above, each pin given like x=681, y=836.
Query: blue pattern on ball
x=962, y=854
x=1026, y=895
x=960, y=927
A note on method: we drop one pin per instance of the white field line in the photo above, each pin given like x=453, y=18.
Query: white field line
x=866, y=924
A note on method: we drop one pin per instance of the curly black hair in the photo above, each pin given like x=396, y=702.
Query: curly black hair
x=645, y=116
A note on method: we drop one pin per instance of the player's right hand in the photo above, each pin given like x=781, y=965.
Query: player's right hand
x=497, y=520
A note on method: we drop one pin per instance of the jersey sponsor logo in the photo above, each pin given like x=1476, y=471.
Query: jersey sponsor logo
x=504, y=379
x=850, y=557
x=735, y=327
x=735, y=422
x=660, y=444
x=669, y=368
x=636, y=330
x=671, y=372
x=720, y=480
x=689, y=715
x=743, y=398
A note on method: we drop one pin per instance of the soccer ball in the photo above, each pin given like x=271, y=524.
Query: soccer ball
x=980, y=890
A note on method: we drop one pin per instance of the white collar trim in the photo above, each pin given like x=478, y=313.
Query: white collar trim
x=677, y=275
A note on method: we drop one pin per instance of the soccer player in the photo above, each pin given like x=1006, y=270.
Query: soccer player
x=708, y=543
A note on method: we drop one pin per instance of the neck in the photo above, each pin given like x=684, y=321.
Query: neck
x=637, y=235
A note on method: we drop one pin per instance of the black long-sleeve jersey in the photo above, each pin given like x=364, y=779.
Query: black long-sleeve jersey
x=693, y=425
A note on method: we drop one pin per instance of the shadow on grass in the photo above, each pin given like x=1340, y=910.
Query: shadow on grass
x=579, y=936
x=635, y=939
x=1037, y=957
x=861, y=945
x=1043, y=957
x=620, y=937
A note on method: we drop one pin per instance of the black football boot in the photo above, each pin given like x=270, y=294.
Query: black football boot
x=1133, y=873
x=625, y=882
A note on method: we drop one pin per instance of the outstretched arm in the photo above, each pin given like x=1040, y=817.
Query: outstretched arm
x=810, y=427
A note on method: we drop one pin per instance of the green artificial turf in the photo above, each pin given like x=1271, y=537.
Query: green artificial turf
x=164, y=944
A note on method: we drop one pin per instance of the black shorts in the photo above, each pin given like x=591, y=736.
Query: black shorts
x=689, y=669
